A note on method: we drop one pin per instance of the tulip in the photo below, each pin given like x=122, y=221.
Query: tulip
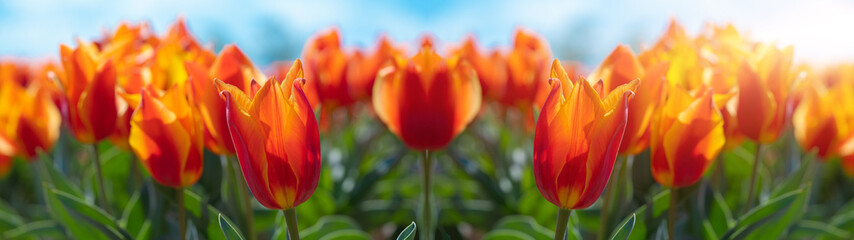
x=326, y=65
x=763, y=101
x=30, y=120
x=427, y=101
x=527, y=74
x=491, y=68
x=687, y=135
x=362, y=67
x=166, y=138
x=90, y=90
x=577, y=138
x=277, y=141
x=815, y=121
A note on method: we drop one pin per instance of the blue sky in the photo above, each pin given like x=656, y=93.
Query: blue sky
x=579, y=30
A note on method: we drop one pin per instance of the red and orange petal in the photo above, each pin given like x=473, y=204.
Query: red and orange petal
x=427, y=101
x=165, y=140
x=211, y=109
x=277, y=142
x=576, y=142
x=233, y=67
x=686, y=138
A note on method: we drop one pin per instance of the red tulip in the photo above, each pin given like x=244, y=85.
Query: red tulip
x=277, y=141
x=165, y=134
x=687, y=135
x=576, y=142
x=427, y=100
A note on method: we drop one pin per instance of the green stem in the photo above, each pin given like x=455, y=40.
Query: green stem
x=426, y=189
x=102, y=194
x=182, y=214
x=135, y=173
x=609, y=194
x=562, y=220
x=671, y=218
x=243, y=193
x=291, y=221
x=756, y=164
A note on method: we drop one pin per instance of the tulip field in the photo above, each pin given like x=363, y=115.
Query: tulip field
x=148, y=134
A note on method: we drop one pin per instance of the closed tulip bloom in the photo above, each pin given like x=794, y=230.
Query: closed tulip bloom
x=815, y=122
x=277, y=141
x=622, y=67
x=30, y=120
x=427, y=100
x=577, y=137
x=326, y=66
x=233, y=67
x=205, y=97
x=527, y=74
x=763, y=94
x=90, y=91
x=362, y=67
x=166, y=137
x=687, y=135
x=491, y=68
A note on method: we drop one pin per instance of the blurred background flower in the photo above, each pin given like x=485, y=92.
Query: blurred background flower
x=579, y=30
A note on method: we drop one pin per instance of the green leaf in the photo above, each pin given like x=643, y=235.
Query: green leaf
x=774, y=208
x=408, y=233
x=228, y=229
x=324, y=226
x=779, y=226
x=83, y=220
x=807, y=229
x=625, y=228
x=47, y=229
x=9, y=218
x=507, y=234
x=346, y=234
x=660, y=203
x=720, y=216
x=133, y=216
x=709, y=232
x=525, y=224
x=205, y=214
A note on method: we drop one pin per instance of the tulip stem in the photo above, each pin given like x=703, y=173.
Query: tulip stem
x=756, y=164
x=609, y=194
x=243, y=193
x=182, y=215
x=102, y=194
x=562, y=221
x=671, y=218
x=426, y=188
x=291, y=221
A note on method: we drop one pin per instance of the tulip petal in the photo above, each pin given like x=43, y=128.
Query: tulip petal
x=605, y=139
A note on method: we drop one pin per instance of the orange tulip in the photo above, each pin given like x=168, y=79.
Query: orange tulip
x=325, y=65
x=211, y=109
x=166, y=138
x=763, y=99
x=427, y=100
x=621, y=67
x=90, y=90
x=233, y=67
x=277, y=141
x=687, y=134
x=491, y=69
x=527, y=72
x=30, y=120
x=576, y=141
x=362, y=67
x=6, y=152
